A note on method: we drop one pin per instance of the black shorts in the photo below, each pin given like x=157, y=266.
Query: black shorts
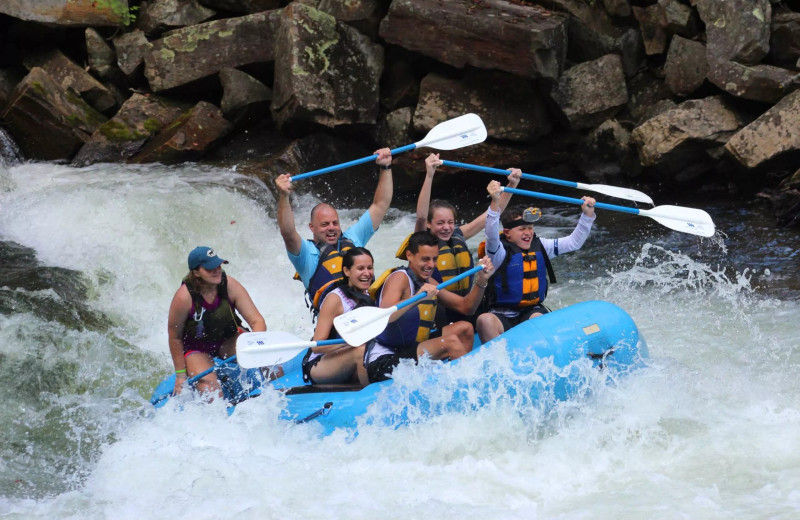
x=381, y=369
x=308, y=365
x=509, y=322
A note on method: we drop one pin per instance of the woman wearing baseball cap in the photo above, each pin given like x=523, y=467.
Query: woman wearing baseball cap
x=203, y=321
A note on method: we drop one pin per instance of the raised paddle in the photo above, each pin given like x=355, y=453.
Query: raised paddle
x=264, y=349
x=686, y=220
x=455, y=133
x=611, y=191
x=364, y=323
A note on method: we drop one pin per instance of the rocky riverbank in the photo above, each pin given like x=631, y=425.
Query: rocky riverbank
x=679, y=96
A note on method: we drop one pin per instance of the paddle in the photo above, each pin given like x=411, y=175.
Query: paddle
x=263, y=349
x=686, y=220
x=364, y=323
x=612, y=191
x=455, y=133
x=207, y=371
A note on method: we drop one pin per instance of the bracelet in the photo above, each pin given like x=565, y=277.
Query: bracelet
x=182, y=376
x=386, y=167
x=482, y=286
x=181, y=371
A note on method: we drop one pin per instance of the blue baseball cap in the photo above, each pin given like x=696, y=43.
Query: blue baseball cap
x=202, y=256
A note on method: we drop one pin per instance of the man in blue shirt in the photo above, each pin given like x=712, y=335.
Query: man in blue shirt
x=318, y=261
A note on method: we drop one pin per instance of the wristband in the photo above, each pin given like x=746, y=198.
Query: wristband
x=181, y=371
x=386, y=167
x=482, y=286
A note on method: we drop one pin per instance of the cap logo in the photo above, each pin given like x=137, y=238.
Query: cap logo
x=210, y=253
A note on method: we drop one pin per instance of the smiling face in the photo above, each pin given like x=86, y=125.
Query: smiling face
x=361, y=274
x=442, y=223
x=324, y=225
x=423, y=262
x=520, y=236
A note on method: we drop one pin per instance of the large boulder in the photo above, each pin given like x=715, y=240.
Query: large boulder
x=137, y=121
x=242, y=6
x=70, y=75
x=48, y=122
x=244, y=98
x=102, y=59
x=326, y=72
x=678, y=142
x=130, y=50
x=158, y=16
x=686, y=67
x=82, y=13
x=187, y=138
x=776, y=132
x=784, y=41
x=764, y=83
x=591, y=92
x=202, y=50
x=524, y=40
x=511, y=109
x=736, y=30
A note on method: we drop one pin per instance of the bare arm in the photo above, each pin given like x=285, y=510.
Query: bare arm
x=424, y=199
x=396, y=289
x=291, y=238
x=178, y=310
x=383, y=193
x=241, y=300
x=468, y=304
x=474, y=227
x=331, y=308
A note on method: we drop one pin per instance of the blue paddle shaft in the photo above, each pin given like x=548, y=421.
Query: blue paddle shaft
x=498, y=171
x=570, y=200
x=325, y=342
x=348, y=164
x=420, y=296
x=204, y=373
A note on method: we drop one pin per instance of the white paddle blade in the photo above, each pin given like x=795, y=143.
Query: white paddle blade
x=686, y=220
x=362, y=324
x=620, y=193
x=455, y=133
x=264, y=349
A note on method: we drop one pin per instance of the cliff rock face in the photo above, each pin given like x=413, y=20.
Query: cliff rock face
x=672, y=94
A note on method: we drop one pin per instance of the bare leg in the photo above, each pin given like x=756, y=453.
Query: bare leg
x=456, y=340
x=198, y=362
x=339, y=366
x=489, y=327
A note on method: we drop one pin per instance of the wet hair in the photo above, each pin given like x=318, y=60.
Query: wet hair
x=421, y=238
x=511, y=214
x=440, y=204
x=349, y=256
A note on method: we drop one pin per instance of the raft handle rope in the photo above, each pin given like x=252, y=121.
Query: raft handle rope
x=322, y=411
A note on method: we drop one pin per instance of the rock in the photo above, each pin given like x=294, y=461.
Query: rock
x=681, y=19
x=394, y=129
x=592, y=34
x=764, y=83
x=364, y=15
x=647, y=97
x=736, y=30
x=527, y=41
x=785, y=201
x=70, y=75
x=678, y=142
x=591, y=92
x=242, y=6
x=608, y=153
x=244, y=97
x=399, y=85
x=775, y=133
x=686, y=67
x=187, y=138
x=784, y=41
x=102, y=59
x=620, y=8
x=195, y=52
x=652, y=24
x=326, y=72
x=48, y=122
x=79, y=13
x=158, y=16
x=137, y=121
x=130, y=49
x=8, y=80
x=511, y=109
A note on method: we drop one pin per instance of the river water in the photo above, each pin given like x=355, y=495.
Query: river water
x=708, y=429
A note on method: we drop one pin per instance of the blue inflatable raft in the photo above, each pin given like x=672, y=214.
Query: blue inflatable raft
x=549, y=357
